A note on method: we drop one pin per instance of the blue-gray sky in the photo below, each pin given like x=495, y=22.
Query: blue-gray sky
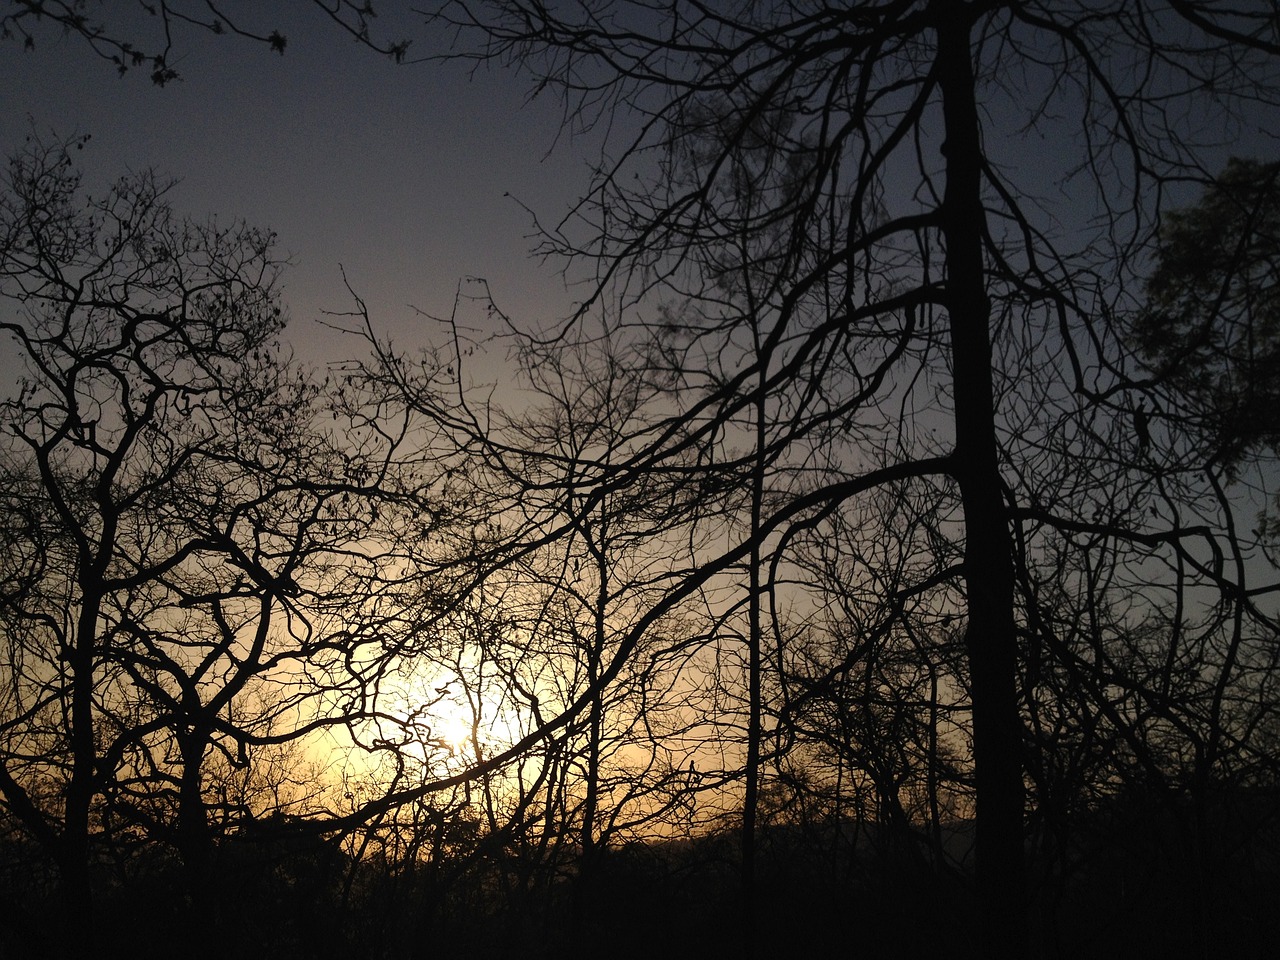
x=399, y=173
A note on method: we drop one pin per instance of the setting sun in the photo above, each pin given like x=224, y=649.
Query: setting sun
x=611, y=477
x=455, y=732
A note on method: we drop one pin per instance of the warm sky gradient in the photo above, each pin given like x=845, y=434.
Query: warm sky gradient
x=396, y=172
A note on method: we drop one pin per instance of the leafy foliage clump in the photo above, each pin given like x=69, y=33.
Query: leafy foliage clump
x=1212, y=328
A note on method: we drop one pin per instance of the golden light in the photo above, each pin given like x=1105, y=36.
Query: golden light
x=456, y=731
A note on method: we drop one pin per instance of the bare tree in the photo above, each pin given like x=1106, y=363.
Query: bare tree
x=186, y=573
x=888, y=180
x=853, y=290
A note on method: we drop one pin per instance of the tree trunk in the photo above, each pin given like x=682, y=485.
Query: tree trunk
x=988, y=562
x=755, y=643
x=74, y=887
x=194, y=841
x=585, y=898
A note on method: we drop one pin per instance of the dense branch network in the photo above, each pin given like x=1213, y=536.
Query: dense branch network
x=873, y=494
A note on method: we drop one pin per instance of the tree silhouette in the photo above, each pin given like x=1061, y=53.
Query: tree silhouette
x=1211, y=325
x=889, y=207
x=185, y=581
x=863, y=498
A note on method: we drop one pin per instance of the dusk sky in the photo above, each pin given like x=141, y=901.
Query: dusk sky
x=398, y=173
x=410, y=177
x=870, y=541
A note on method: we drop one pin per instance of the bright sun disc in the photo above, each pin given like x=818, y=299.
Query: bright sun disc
x=455, y=733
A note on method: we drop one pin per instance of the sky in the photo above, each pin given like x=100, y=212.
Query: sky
x=410, y=177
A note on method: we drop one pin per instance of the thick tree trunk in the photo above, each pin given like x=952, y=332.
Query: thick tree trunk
x=194, y=841
x=195, y=845
x=988, y=562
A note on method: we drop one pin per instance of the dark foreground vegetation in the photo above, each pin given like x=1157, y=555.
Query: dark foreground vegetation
x=1141, y=883
x=880, y=557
